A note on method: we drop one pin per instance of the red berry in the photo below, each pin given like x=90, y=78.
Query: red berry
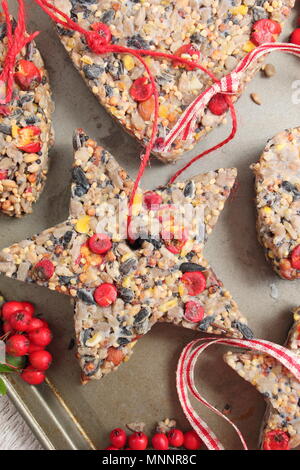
x=41, y=336
x=99, y=37
x=192, y=441
x=152, y=199
x=141, y=89
x=44, y=269
x=173, y=244
x=276, y=440
x=33, y=376
x=17, y=345
x=118, y=438
x=100, y=243
x=11, y=307
x=29, y=308
x=190, y=50
x=295, y=36
x=175, y=438
x=34, y=347
x=40, y=360
x=111, y=448
x=265, y=30
x=45, y=324
x=160, y=441
x=6, y=327
x=20, y=321
x=138, y=441
x=27, y=76
x=195, y=282
x=193, y=312
x=218, y=104
x=35, y=323
x=105, y=294
x=295, y=255
x=158, y=144
x=3, y=174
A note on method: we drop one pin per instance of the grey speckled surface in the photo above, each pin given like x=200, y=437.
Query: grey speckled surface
x=144, y=388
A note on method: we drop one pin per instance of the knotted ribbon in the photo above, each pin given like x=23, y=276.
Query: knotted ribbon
x=185, y=381
x=16, y=40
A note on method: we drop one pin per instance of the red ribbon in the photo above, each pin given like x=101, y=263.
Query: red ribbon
x=15, y=42
x=185, y=380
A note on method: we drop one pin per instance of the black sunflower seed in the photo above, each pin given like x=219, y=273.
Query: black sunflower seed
x=4, y=129
x=206, y=322
x=126, y=294
x=123, y=341
x=67, y=237
x=86, y=296
x=65, y=280
x=191, y=267
x=290, y=188
x=244, y=329
x=128, y=265
x=141, y=316
x=137, y=42
x=92, y=71
x=125, y=331
x=86, y=335
x=108, y=16
x=82, y=184
x=189, y=190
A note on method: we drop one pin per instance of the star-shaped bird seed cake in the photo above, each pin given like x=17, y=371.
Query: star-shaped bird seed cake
x=281, y=429
x=121, y=289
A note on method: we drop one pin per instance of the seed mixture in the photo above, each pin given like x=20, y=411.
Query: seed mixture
x=277, y=184
x=25, y=131
x=217, y=33
x=278, y=386
x=123, y=288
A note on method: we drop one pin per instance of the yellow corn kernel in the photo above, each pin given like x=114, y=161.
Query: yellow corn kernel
x=137, y=204
x=128, y=62
x=248, y=46
x=86, y=60
x=163, y=111
x=241, y=10
x=15, y=131
x=83, y=224
x=267, y=210
x=94, y=340
x=126, y=282
x=296, y=316
x=168, y=305
x=279, y=146
x=181, y=290
x=270, y=254
x=125, y=257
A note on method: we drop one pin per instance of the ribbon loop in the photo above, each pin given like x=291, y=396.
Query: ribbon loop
x=185, y=380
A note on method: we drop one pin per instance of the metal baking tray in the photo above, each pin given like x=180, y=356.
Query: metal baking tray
x=66, y=415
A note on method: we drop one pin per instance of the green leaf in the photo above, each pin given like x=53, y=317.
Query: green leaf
x=19, y=361
x=4, y=368
x=2, y=387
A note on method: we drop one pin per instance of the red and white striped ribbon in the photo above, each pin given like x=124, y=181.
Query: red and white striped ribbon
x=230, y=84
x=185, y=380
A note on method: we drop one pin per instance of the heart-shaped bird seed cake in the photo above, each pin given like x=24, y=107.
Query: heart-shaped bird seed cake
x=215, y=33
